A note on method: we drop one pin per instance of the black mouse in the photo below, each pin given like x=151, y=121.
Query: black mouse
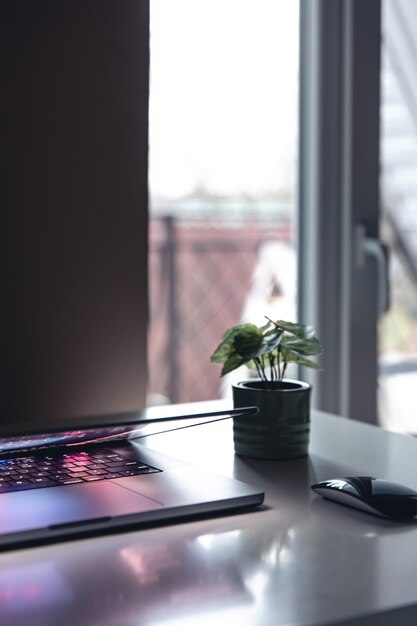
x=373, y=495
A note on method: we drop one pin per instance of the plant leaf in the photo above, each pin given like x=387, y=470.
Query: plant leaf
x=250, y=345
x=247, y=342
x=299, y=330
x=226, y=347
x=293, y=357
x=309, y=347
x=233, y=362
x=281, y=341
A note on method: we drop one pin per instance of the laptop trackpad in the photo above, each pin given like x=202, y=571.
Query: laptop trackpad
x=41, y=508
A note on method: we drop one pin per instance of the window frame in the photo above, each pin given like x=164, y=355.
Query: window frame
x=339, y=197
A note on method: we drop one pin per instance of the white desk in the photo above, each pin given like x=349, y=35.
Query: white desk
x=298, y=560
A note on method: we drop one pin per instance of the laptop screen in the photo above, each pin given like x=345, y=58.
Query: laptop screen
x=135, y=427
x=74, y=198
x=70, y=437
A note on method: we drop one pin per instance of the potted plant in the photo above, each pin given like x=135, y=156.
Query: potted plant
x=281, y=429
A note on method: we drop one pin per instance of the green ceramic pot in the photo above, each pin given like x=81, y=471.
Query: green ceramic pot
x=281, y=430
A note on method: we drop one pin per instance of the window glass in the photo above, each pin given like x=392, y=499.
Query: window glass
x=398, y=329
x=222, y=178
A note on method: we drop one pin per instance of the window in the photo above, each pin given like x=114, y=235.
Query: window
x=223, y=163
x=398, y=330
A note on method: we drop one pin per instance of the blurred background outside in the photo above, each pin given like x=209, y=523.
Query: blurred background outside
x=398, y=328
x=223, y=189
x=223, y=141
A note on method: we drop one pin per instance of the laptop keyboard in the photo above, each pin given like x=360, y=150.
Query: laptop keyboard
x=51, y=470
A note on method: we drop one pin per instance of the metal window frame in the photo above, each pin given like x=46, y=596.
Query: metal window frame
x=339, y=197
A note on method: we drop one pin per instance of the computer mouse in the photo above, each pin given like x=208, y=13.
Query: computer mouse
x=372, y=495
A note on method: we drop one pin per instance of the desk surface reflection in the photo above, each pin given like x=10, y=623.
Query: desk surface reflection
x=296, y=560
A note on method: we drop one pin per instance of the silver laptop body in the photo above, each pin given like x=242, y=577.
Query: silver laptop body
x=169, y=489
x=74, y=270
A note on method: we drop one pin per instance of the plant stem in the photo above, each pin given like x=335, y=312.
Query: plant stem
x=265, y=377
x=271, y=366
x=259, y=368
x=279, y=366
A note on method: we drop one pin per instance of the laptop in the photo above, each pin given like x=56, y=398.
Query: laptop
x=74, y=483
x=73, y=384
x=74, y=283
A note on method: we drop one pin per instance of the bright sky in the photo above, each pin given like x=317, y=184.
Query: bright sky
x=224, y=93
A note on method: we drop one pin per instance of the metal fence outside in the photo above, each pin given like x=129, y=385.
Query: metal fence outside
x=200, y=274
